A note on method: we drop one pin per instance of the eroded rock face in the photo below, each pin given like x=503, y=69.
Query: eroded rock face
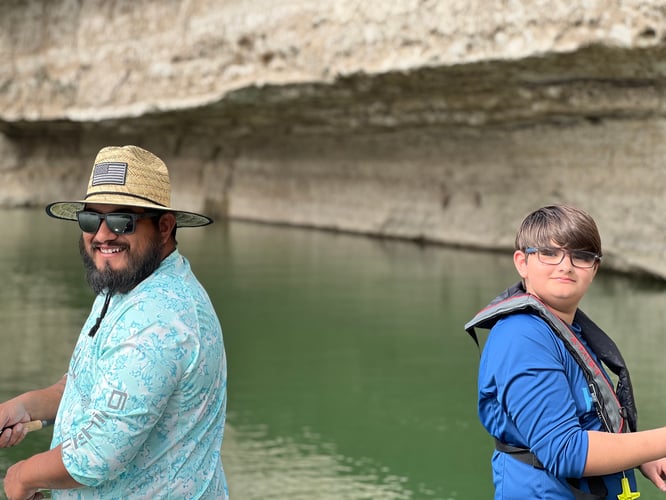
x=440, y=121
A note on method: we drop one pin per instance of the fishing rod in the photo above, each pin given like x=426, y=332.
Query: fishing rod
x=33, y=425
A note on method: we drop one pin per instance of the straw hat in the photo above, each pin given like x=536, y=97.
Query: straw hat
x=130, y=176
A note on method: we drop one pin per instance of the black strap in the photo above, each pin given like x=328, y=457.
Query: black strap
x=597, y=486
x=95, y=327
x=521, y=454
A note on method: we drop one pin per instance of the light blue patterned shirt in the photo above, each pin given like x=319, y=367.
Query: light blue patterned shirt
x=143, y=411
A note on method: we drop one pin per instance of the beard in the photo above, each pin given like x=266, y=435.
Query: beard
x=139, y=267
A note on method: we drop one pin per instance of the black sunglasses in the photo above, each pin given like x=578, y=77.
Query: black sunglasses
x=118, y=222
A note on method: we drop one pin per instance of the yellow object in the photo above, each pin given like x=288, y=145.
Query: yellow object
x=627, y=494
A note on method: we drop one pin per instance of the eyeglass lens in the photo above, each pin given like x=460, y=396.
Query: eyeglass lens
x=579, y=258
x=119, y=223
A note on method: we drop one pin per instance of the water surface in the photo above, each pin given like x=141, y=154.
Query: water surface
x=350, y=375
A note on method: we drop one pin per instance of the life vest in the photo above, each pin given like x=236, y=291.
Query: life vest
x=616, y=407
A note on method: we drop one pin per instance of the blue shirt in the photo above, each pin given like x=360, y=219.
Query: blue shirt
x=143, y=411
x=533, y=394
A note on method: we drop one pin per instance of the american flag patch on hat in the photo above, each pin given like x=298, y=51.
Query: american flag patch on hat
x=109, y=173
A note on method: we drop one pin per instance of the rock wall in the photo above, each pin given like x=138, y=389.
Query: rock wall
x=441, y=121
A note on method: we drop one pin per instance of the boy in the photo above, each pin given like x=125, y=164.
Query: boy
x=561, y=430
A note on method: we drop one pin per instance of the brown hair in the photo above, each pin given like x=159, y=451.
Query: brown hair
x=566, y=226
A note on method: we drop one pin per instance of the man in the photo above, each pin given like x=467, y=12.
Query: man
x=140, y=412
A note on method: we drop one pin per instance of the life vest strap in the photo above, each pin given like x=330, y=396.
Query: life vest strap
x=596, y=483
x=521, y=454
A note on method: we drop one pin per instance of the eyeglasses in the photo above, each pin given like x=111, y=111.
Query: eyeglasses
x=118, y=222
x=553, y=256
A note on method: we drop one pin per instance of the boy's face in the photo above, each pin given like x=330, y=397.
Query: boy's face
x=560, y=286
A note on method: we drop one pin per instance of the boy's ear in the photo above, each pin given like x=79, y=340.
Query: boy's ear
x=520, y=261
x=595, y=269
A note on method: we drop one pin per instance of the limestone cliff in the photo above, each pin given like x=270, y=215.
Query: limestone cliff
x=443, y=121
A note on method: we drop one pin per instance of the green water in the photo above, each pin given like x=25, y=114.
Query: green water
x=350, y=376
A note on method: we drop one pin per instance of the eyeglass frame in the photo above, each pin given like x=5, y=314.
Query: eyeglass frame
x=133, y=216
x=537, y=250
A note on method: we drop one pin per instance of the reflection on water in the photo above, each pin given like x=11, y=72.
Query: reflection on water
x=350, y=375
x=303, y=466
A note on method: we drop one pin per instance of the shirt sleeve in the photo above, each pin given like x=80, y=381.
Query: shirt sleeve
x=138, y=369
x=535, y=404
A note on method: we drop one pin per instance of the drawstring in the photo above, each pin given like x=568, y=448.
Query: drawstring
x=95, y=327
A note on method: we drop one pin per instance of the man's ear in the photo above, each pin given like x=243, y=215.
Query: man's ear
x=166, y=224
x=520, y=261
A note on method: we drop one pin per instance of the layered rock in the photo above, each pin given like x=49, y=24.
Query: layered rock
x=441, y=121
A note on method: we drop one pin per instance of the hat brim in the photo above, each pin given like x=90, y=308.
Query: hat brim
x=66, y=210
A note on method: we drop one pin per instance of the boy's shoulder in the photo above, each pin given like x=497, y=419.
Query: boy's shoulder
x=519, y=325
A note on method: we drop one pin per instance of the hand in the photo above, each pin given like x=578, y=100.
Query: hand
x=12, y=417
x=655, y=471
x=14, y=489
